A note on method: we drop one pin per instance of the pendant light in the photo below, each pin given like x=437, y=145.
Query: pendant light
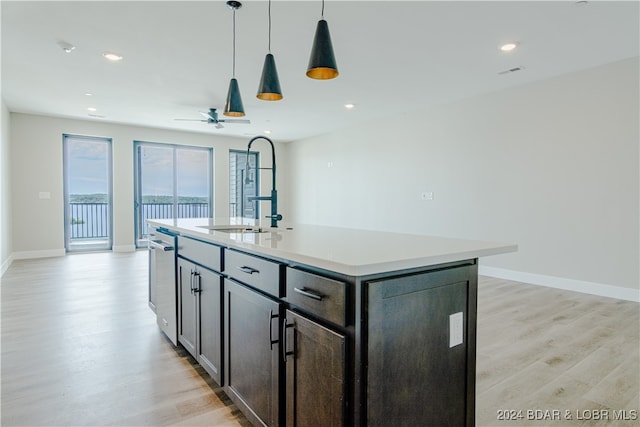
x=269, y=89
x=322, y=62
x=234, y=107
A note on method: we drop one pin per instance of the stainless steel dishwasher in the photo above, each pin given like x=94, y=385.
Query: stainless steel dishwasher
x=162, y=281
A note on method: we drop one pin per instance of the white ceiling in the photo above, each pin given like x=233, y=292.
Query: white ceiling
x=393, y=57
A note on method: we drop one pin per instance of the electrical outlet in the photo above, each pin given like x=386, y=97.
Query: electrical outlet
x=427, y=195
x=456, y=329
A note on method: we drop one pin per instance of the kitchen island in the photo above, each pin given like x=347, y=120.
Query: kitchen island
x=309, y=325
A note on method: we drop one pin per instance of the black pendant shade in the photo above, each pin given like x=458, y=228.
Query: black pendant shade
x=269, y=89
x=234, y=107
x=322, y=62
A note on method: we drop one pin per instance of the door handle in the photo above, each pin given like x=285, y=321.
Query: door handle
x=271, y=340
x=286, y=353
x=197, y=281
x=159, y=244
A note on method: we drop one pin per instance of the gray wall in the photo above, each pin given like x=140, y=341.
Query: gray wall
x=551, y=166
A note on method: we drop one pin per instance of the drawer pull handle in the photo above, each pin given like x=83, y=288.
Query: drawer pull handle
x=308, y=294
x=248, y=270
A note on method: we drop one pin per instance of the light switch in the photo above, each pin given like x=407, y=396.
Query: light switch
x=427, y=195
x=456, y=328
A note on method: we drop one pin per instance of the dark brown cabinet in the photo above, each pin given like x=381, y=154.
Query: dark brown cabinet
x=200, y=315
x=305, y=347
x=252, y=362
x=315, y=373
x=418, y=373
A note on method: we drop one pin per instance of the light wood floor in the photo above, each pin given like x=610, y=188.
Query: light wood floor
x=80, y=347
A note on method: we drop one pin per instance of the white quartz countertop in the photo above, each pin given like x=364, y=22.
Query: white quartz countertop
x=342, y=250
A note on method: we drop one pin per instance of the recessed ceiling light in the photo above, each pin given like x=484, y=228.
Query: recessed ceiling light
x=509, y=47
x=112, y=56
x=67, y=47
x=92, y=109
x=268, y=132
x=88, y=94
x=349, y=106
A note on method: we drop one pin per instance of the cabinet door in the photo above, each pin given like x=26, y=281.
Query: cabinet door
x=209, y=289
x=251, y=350
x=187, y=315
x=315, y=365
x=415, y=374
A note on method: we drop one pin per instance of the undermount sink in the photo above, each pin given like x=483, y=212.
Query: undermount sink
x=242, y=228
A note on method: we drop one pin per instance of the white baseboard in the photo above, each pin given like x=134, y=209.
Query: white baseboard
x=599, y=289
x=124, y=248
x=39, y=254
x=6, y=264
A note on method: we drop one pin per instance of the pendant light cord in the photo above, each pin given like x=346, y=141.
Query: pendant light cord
x=322, y=13
x=234, y=44
x=269, y=26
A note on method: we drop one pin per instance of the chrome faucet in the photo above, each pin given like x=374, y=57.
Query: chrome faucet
x=275, y=216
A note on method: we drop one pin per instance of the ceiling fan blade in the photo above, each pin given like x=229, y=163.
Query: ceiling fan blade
x=191, y=120
x=235, y=121
x=207, y=115
x=219, y=126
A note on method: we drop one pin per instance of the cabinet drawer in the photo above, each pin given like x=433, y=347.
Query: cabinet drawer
x=323, y=297
x=257, y=272
x=205, y=254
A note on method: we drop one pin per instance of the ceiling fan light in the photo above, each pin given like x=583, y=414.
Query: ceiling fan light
x=234, y=107
x=269, y=89
x=322, y=62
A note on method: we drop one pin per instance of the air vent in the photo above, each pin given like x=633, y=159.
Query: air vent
x=510, y=70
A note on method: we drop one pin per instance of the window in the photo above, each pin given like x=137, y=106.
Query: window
x=171, y=181
x=87, y=193
x=239, y=188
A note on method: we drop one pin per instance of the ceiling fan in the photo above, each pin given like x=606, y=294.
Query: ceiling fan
x=212, y=117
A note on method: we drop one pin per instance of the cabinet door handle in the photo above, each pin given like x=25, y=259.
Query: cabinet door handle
x=248, y=270
x=196, y=281
x=271, y=340
x=191, y=281
x=286, y=353
x=308, y=294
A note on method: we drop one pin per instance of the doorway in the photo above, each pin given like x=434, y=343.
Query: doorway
x=88, y=198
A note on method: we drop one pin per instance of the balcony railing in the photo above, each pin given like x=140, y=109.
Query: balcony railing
x=91, y=220
x=165, y=210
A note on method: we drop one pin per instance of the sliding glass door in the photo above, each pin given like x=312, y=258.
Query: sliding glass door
x=171, y=181
x=87, y=193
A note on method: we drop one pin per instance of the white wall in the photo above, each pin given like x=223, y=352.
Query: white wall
x=5, y=186
x=36, y=153
x=552, y=166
